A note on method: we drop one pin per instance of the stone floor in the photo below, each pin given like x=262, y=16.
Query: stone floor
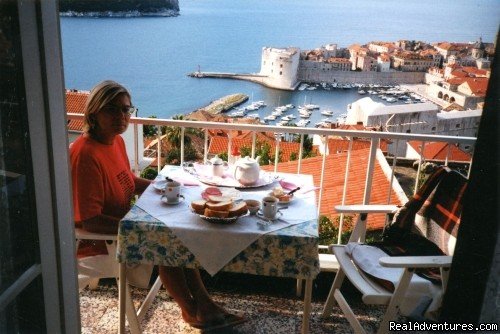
x=269, y=304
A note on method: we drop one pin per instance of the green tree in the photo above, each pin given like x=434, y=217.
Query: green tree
x=149, y=130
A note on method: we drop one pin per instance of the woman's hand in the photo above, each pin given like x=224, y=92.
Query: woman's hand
x=140, y=184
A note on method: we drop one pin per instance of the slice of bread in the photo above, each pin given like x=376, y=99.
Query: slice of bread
x=220, y=206
x=199, y=206
x=238, y=209
x=218, y=199
x=214, y=213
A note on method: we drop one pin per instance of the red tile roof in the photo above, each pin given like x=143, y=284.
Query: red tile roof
x=477, y=86
x=439, y=151
x=219, y=144
x=334, y=182
x=337, y=145
x=75, y=103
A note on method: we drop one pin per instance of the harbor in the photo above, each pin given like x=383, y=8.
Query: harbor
x=312, y=105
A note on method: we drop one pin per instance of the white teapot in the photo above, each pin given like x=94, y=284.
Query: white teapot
x=218, y=166
x=247, y=170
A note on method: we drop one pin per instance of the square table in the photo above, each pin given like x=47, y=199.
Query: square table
x=291, y=251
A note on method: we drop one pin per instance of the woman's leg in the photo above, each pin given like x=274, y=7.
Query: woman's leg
x=207, y=308
x=174, y=280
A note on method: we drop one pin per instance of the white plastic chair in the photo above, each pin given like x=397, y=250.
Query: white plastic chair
x=111, y=270
x=373, y=292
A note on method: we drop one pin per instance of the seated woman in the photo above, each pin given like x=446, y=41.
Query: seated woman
x=103, y=187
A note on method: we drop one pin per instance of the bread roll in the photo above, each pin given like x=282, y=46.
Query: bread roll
x=238, y=209
x=199, y=206
x=220, y=206
x=214, y=213
x=217, y=199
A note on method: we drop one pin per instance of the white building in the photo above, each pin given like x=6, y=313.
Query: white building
x=421, y=118
x=280, y=66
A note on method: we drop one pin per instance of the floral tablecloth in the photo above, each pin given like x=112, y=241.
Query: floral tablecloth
x=289, y=252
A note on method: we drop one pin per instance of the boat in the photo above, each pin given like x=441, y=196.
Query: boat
x=237, y=114
x=290, y=106
x=311, y=106
x=303, y=86
x=391, y=99
x=361, y=92
x=327, y=112
x=254, y=116
x=270, y=117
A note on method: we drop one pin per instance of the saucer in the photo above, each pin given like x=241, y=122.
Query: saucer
x=279, y=214
x=181, y=199
x=160, y=185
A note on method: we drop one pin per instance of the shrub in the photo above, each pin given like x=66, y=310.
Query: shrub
x=149, y=173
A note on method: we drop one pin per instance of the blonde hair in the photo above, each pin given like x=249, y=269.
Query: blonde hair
x=100, y=96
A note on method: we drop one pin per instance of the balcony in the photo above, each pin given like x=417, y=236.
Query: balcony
x=356, y=169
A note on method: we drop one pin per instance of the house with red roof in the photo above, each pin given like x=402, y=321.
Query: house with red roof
x=436, y=151
x=333, y=182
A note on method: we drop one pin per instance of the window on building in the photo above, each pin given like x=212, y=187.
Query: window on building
x=281, y=73
x=433, y=128
x=281, y=65
x=408, y=131
x=457, y=125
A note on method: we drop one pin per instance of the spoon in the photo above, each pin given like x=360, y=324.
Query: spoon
x=294, y=190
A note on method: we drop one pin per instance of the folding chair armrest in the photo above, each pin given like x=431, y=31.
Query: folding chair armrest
x=441, y=261
x=362, y=208
x=85, y=235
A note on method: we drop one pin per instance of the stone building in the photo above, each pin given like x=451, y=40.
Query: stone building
x=421, y=118
x=412, y=62
x=280, y=65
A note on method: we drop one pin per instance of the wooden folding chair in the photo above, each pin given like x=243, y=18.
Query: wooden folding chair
x=437, y=220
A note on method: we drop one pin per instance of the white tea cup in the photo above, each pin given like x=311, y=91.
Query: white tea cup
x=269, y=207
x=172, y=192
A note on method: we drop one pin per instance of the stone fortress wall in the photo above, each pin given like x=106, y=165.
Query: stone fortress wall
x=346, y=77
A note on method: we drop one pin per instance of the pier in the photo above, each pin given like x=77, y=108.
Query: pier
x=253, y=77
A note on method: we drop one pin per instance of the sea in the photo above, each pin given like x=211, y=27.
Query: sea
x=153, y=55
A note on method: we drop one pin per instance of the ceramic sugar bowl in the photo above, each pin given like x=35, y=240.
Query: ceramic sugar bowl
x=218, y=166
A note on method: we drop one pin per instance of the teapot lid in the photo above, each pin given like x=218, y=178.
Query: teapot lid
x=216, y=160
x=248, y=160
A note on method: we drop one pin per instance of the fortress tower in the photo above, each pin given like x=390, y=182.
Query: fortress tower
x=280, y=65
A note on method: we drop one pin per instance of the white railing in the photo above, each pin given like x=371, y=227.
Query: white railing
x=373, y=136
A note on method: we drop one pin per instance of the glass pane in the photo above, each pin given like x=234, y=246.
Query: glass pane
x=20, y=316
x=19, y=247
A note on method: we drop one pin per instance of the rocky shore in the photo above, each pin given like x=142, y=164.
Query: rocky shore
x=123, y=8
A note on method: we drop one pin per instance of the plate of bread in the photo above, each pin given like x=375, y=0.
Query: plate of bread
x=219, y=209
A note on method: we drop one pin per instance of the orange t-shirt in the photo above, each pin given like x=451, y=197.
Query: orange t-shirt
x=102, y=182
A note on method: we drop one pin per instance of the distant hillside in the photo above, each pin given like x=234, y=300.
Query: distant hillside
x=119, y=7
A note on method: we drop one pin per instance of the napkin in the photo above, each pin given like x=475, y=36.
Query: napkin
x=289, y=185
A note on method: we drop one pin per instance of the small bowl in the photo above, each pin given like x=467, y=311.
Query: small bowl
x=253, y=206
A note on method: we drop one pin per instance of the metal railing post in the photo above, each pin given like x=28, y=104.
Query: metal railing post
x=182, y=144
x=136, y=150
x=344, y=191
x=301, y=148
x=419, y=167
x=158, y=147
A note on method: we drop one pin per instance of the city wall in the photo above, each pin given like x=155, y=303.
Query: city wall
x=344, y=77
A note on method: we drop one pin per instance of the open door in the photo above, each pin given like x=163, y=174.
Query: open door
x=38, y=292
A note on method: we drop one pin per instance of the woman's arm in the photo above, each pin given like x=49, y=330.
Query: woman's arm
x=140, y=184
x=101, y=224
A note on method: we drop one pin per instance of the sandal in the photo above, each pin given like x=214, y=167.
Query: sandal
x=227, y=320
